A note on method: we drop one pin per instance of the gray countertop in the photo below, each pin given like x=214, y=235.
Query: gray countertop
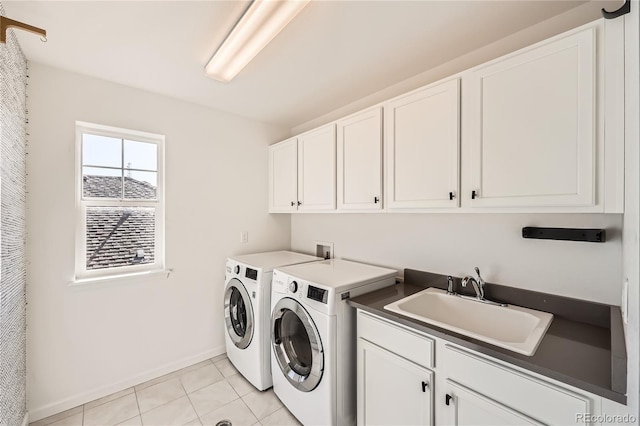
x=574, y=352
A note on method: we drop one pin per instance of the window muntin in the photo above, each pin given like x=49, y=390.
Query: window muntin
x=120, y=201
x=110, y=163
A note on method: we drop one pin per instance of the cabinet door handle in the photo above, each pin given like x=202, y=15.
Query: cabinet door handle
x=447, y=399
x=376, y=200
x=299, y=202
x=452, y=195
x=474, y=194
x=425, y=386
x=293, y=203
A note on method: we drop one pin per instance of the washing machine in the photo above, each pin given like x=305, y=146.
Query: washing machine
x=313, y=337
x=247, y=311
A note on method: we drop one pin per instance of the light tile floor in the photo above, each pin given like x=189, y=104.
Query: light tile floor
x=202, y=394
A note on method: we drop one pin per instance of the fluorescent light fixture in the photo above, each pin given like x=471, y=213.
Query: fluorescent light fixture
x=262, y=21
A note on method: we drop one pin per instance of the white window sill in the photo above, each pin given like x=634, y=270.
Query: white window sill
x=121, y=277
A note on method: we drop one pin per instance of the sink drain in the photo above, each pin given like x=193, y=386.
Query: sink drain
x=224, y=423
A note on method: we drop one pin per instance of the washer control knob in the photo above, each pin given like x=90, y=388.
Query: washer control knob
x=293, y=286
x=237, y=269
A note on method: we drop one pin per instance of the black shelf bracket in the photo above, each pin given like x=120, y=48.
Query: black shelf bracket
x=565, y=234
x=624, y=9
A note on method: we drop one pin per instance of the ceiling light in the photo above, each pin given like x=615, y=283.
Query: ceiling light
x=262, y=21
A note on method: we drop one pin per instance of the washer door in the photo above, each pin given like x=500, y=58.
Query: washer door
x=238, y=314
x=296, y=344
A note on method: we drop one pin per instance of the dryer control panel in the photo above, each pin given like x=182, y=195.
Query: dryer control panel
x=251, y=273
x=317, y=294
x=311, y=295
x=239, y=270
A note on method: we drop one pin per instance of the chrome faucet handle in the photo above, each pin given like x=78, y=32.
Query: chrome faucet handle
x=480, y=283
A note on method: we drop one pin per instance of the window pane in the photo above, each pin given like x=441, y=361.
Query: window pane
x=140, y=155
x=120, y=236
x=140, y=185
x=101, y=183
x=101, y=151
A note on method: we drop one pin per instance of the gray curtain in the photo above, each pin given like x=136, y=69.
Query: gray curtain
x=13, y=111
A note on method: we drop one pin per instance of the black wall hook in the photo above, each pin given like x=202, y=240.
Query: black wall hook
x=624, y=9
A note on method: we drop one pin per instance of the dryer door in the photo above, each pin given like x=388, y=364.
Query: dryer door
x=238, y=313
x=296, y=344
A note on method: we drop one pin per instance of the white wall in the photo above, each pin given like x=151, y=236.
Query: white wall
x=455, y=243
x=85, y=342
x=556, y=25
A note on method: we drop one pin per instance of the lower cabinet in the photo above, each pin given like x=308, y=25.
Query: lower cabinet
x=392, y=390
x=516, y=392
x=466, y=407
x=399, y=383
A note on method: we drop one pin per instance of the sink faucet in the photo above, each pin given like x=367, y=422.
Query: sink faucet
x=478, y=285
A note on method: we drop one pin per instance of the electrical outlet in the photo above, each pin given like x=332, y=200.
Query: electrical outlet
x=244, y=237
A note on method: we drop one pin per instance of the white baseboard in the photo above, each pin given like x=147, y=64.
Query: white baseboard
x=42, y=412
x=25, y=420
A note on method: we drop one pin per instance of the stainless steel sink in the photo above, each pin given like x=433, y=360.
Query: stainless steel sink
x=512, y=327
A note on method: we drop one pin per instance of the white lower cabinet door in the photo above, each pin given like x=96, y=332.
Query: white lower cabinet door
x=392, y=390
x=466, y=407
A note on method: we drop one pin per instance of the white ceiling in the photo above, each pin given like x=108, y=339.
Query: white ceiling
x=332, y=53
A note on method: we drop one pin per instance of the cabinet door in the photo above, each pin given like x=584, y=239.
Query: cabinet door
x=392, y=390
x=317, y=169
x=423, y=148
x=466, y=407
x=360, y=161
x=532, y=128
x=283, y=175
x=521, y=392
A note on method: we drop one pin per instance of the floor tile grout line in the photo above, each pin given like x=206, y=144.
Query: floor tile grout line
x=209, y=412
x=190, y=402
x=106, y=402
x=194, y=408
x=135, y=393
x=161, y=405
x=204, y=386
x=173, y=375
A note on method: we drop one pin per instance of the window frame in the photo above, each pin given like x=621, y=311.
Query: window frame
x=82, y=203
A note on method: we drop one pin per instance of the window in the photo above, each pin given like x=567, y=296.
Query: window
x=120, y=201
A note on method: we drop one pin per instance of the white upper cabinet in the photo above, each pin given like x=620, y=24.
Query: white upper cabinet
x=530, y=128
x=359, y=160
x=538, y=130
x=422, y=146
x=317, y=169
x=283, y=176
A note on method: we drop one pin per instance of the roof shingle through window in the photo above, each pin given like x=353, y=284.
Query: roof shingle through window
x=119, y=236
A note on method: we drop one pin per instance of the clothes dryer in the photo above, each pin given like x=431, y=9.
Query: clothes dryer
x=247, y=311
x=313, y=337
